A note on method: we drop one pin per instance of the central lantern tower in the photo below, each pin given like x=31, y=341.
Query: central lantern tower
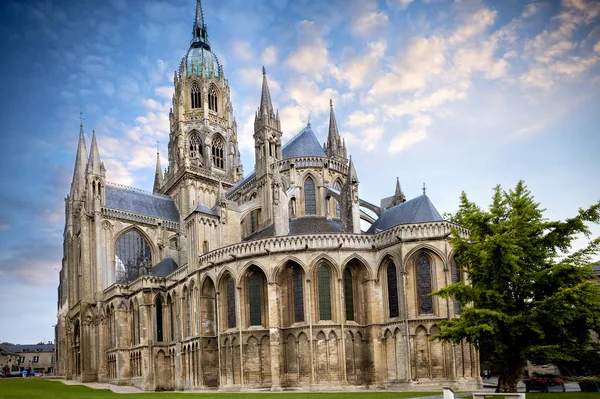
x=203, y=146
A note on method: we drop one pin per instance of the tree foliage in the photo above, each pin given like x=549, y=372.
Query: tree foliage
x=528, y=296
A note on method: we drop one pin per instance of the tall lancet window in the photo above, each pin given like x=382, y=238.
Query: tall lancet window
x=392, y=290
x=424, y=285
x=230, y=285
x=132, y=257
x=195, y=94
x=158, y=304
x=348, y=294
x=188, y=314
x=212, y=99
x=338, y=187
x=298, y=294
x=254, y=289
x=310, y=198
x=324, y=293
x=195, y=149
x=218, y=153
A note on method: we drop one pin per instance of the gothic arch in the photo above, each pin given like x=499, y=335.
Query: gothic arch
x=424, y=248
x=281, y=265
x=382, y=261
x=324, y=289
x=223, y=272
x=323, y=258
x=359, y=259
x=356, y=296
x=129, y=274
x=242, y=271
x=254, y=207
x=214, y=98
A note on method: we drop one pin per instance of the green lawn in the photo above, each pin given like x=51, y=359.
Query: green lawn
x=37, y=388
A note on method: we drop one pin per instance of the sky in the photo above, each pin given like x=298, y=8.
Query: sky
x=457, y=95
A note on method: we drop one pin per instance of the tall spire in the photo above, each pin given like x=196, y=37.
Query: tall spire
x=352, y=176
x=334, y=142
x=78, y=183
x=158, y=178
x=265, y=98
x=199, y=33
x=94, y=165
x=399, y=196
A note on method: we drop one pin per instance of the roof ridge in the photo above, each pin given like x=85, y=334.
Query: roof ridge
x=138, y=190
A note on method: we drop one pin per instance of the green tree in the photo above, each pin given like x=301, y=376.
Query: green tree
x=529, y=297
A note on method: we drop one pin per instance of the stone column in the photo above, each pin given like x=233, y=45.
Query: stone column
x=274, y=335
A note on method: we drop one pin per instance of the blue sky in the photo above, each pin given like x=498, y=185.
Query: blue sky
x=460, y=95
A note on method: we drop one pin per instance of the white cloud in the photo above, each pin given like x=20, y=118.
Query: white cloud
x=310, y=59
x=370, y=22
x=530, y=9
x=420, y=105
x=415, y=134
x=597, y=47
x=359, y=118
x=242, y=50
x=365, y=138
x=269, y=55
x=475, y=24
x=360, y=69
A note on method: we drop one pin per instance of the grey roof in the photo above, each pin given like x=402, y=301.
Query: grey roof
x=303, y=225
x=417, y=210
x=30, y=348
x=140, y=202
x=304, y=144
x=164, y=267
x=240, y=183
x=204, y=209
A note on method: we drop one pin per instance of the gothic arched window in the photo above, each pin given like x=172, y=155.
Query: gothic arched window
x=132, y=257
x=188, y=314
x=348, y=294
x=171, y=318
x=229, y=284
x=324, y=293
x=454, y=269
x=196, y=98
x=159, y=318
x=212, y=99
x=195, y=146
x=298, y=294
x=310, y=199
x=424, y=285
x=254, y=289
x=392, y=290
x=218, y=153
x=338, y=187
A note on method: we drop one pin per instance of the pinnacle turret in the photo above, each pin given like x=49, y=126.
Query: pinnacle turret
x=78, y=183
x=94, y=165
x=352, y=177
x=158, y=178
x=399, y=196
x=266, y=106
x=199, y=33
x=334, y=146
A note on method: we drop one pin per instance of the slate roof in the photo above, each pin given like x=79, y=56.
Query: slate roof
x=30, y=348
x=140, y=202
x=304, y=144
x=204, y=209
x=303, y=225
x=164, y=267
x=240, y=183
x=417, y=210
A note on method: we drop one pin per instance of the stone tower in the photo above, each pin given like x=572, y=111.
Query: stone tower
x=203, y=147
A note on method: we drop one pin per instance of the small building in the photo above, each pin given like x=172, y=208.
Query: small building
x=39, y=357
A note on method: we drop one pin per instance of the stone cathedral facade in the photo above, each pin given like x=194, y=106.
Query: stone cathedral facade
x=219, y=281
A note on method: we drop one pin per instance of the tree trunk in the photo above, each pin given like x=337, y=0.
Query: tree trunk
x=511, y=373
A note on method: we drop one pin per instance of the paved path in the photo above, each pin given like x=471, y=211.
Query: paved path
x=98, y=385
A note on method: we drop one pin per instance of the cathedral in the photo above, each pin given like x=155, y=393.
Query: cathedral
x=218, y=281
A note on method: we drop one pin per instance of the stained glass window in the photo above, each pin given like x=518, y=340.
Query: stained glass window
x=455, y=279
x=159, y=319
x=195, y=94
x=298, y=294
x=212, y=99
x=254, y=287
x=310, y=199
x=324, y=294
x=392, y=285
x=424, y=285
x=348, y=294
x=230, y=303
x=132, y=255
x=188, y=314
x=218, y=157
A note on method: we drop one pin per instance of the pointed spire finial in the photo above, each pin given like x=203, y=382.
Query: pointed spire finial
x=78, y=182
x=424, y=189
x=334, y=142
x=331, y=103
x=265, y=98
x=94, y=163
x=158, y=176
x=199, y=33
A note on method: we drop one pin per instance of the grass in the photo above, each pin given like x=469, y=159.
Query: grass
x=37, y=388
